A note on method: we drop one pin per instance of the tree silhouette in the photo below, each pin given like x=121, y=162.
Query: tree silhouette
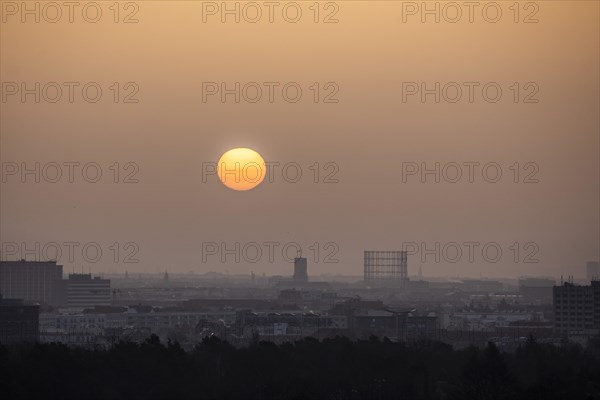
x=333, y=368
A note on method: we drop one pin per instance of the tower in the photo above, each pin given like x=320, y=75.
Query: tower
x=300, y=269
x=385, y=268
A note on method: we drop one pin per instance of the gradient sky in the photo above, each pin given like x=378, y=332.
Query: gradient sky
x=368, y=134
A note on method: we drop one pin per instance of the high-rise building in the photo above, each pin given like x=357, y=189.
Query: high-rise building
x=84, y=291
x=35, y=281
x=386, y=268
x=577, y=309
x=592, y=270
x=19, y=322
x=300, y=269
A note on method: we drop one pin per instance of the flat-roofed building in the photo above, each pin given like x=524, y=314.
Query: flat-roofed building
x=34, y=281
x=19, y=321
x=577, y=309
x=85, y=291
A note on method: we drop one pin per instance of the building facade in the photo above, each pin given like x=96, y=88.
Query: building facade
x=85, y=291
x=34, y=281
x=577, y=309
x=300, y=269
x=19, y=322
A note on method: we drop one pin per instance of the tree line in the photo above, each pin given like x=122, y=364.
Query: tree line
x=335, y=368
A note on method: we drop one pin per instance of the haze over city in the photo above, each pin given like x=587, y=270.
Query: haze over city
x=296, y=200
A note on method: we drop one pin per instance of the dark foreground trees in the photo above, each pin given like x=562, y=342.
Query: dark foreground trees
x=308, y=369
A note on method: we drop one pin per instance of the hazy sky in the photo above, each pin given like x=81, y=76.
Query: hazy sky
x=370, y=134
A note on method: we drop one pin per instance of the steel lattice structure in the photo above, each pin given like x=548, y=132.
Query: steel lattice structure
x=385, y=268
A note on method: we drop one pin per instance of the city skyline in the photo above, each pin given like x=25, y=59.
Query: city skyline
x=300, y=200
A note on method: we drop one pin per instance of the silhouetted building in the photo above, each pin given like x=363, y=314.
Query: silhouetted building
x=83, y=291
x=19, y=322
x=385, y=268
x=300, y=269
x=577, y=309
x=592, y=270
x=35, y=281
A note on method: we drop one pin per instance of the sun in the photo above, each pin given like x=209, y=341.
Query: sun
x=241, y=169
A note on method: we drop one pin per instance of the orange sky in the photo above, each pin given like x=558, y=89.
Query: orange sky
x=369, y=133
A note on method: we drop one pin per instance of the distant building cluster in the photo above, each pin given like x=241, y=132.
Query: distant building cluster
x=37, y=304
